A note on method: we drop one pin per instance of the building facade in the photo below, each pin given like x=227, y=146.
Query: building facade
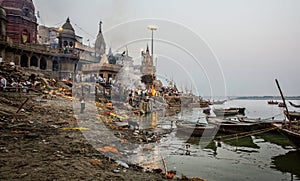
x=22, y=22
x=55, y=52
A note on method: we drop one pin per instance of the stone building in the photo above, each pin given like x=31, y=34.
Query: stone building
x=22, y=22
x=48, y=36
x=18, y=43
x=147, y=67
x=148, y=70
x=104, y=65
x=54, y=52
x=100, y=45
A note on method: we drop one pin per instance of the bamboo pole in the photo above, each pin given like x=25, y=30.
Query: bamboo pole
x=22, y=105
x=283, y=99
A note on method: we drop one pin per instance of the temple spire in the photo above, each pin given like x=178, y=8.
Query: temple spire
x=100, y=27
x=147, y=50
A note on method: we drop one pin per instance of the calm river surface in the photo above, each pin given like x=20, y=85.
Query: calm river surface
x=267, y=156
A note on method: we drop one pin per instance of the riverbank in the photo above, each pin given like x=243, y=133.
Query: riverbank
x=35, y=146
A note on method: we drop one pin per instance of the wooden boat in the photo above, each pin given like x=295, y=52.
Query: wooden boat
x=258, y=120
x=235, y=127
x=292, y=135
x=241, y=110
x=218, y=102
x=272, y=102
x=293, y=115
x=226, y=112
x=294, y=105
x=281, y=104
x=196, y=130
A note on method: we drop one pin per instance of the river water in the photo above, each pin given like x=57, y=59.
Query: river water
x=266, y=156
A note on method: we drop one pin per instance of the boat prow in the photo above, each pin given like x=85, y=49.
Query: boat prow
x=292, y=135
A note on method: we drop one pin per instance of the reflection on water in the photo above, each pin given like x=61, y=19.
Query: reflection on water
x=267, y=156
x=242, y=142
x=288, y=163
x=248, y=158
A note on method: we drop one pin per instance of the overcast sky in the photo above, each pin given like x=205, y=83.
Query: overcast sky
x=232, y=47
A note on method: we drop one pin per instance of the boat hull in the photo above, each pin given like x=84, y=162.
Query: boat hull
x=291, y=135
x=196, y=131
x=293, y=115
x=231, y=127
x=226, y=112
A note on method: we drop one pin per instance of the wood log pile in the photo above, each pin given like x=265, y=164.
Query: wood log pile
x=18, y=80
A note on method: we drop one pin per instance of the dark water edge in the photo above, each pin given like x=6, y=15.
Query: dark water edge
x=267, y=156
x=257, y=157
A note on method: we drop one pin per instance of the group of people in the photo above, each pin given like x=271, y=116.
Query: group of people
x=5, y=84
x=93, y=78
x=137, y=96
x=169, y=91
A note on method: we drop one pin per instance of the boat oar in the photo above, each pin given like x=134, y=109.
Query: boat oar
x=282, y=97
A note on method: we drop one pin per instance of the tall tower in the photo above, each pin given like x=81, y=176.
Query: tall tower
x=21, y=20
x=100, y=45
x=147, y=68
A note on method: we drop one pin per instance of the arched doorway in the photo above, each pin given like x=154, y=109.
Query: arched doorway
x=43, y=63
x=34, y=61
x=55, y=65
x=24, y=61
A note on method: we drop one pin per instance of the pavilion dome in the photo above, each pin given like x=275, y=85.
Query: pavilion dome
x=67, y=30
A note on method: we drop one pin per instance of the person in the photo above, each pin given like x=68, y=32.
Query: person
x=31, y=78
x=77, y=78
x=82, y=104
x=130, y=97
x=3, y=82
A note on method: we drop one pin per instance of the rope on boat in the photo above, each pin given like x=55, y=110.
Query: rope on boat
x=267, y=118
x=245, y=134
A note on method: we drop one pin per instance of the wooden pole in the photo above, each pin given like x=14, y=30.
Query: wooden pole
x=22, y=105
x=282, y=97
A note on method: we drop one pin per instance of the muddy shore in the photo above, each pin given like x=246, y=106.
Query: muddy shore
x=33, y=145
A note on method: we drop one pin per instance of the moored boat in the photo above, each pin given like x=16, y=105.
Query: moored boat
x=226, y=112
x=293, y=115
x=272, y=102
x=294, y=105
x=235, y=127
x=219, y=102
x=196, y=130
x=292, y=135
x=289, y=130
x=241, y=110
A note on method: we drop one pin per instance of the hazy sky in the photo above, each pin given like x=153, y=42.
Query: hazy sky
x=250, y=42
